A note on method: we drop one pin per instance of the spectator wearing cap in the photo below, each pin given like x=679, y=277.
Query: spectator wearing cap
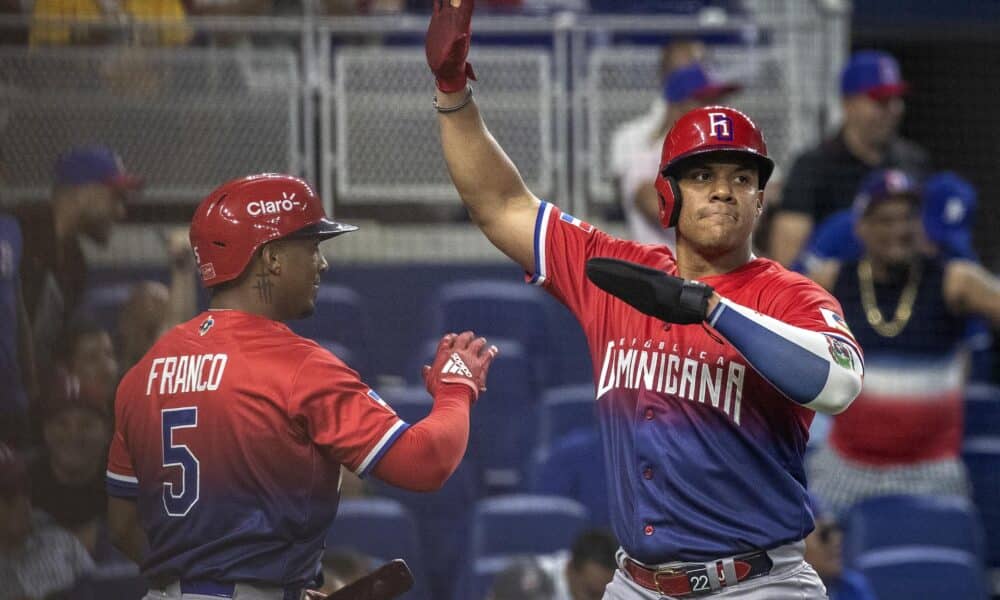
x=89, y=196
x=523, y=579
x=586, y=569
x=17, y=365
x=38, y=559
x=908, y=310
x=686, y=88
x=824, y=179
x=68, y=478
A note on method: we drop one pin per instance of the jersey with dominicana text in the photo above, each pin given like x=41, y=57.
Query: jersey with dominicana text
x=230, y=434
x=704, y=455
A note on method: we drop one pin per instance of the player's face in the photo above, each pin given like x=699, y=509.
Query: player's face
x=721, y=203
x=302, y=264
x=77, y=439
x=890, y=231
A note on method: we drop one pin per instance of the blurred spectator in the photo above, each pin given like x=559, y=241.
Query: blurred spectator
x=583, y=572
x=823, y=180
x=823, y=552
x=68, y=479
x=37, y=558
x=342, y=567
x=687, y=88
x=168, y=14
x=908, y=311
x=636, y=145
x=523, y=579
x=17, y=368
x=152, y=308
x=574, y=468
x=89, y=196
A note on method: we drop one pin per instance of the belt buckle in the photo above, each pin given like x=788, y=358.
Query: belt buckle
x=667, y=572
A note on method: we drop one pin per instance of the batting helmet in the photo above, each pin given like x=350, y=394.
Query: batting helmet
x=242, y=215
x=702, y=130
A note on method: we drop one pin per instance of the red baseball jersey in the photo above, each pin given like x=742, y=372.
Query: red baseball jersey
x=230, y=434
x=704, y=454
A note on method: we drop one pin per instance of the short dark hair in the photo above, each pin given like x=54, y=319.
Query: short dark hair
x=596, y=546
x=80, y=326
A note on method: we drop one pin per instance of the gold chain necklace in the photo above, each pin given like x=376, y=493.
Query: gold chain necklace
x=904, y=309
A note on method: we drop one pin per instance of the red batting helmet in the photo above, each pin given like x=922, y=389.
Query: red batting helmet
x=706, y=129
x=240, y=216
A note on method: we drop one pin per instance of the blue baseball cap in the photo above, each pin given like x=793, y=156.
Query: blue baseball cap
x=693, y=81
x=881, y=185
x=94, y=164
x=873, y=73
x=949, y=207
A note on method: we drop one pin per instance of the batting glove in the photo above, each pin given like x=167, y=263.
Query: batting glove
x=463, y=359
x=447, y=44
x=668, y=298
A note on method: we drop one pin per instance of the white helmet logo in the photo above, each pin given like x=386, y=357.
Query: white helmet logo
x=272, y=207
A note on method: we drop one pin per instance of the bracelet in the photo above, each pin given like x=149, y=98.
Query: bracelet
x=450, y=109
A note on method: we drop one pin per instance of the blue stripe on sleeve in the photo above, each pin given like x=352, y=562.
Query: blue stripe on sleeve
x=120, y=489
x=385, y=448
x=538, y=231
x=795, y=371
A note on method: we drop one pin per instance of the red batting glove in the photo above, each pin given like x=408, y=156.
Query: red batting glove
x=447, y=44
x=463, y=359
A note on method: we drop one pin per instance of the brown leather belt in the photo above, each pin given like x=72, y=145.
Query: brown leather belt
x=698, y=579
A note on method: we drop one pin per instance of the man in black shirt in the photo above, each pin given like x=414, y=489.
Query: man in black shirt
x=88, y=197
x=824, y=179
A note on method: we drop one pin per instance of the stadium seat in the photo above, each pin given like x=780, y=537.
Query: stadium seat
x=982, y=410
x=504, y=527
x=918, y=520
x=923, y=573
x=349, y=356
x=497, y=308
x=563, y=409
x=340, y=317
x=573, y=467
x=504, y=422
x=982, y=458
x=383, y=529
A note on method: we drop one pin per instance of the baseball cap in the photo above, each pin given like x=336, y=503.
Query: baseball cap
x=874, y=73
x=693, y=81
x=949, y=207
x=881, y=185
x=94, y=164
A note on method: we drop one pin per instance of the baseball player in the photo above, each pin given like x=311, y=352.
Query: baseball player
x=231, y=431
x=704, y=409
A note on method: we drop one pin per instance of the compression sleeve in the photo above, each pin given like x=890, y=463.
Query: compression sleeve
x=819, y=371
x=426, y=454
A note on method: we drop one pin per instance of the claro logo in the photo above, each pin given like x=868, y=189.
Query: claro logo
x=272, y=207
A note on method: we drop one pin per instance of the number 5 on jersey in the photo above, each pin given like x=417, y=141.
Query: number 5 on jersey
x=178, y=499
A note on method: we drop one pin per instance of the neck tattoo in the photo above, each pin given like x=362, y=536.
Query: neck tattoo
x=264, y=286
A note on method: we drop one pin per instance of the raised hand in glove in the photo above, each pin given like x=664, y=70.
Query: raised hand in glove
x=668, y=298
x=447, y=44
x=463, y=359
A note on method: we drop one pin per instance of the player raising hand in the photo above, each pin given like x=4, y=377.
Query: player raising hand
x=705, y=394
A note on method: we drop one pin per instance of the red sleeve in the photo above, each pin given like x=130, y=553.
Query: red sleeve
x=342, y=415
x=563, y=244
x=804, y=303
x=428, y=453
x=120, y=479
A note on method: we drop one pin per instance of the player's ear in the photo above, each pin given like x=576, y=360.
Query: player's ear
x=271, y=256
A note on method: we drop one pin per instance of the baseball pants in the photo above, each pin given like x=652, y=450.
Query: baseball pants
x=791, y=578
x=243, y=591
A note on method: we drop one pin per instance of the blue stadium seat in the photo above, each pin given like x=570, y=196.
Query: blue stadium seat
x=506, y=526
x=923, y=573
x=982, y=458
x=496, y=309
x=383, y=529
x=350, y=357
x=411, y=402
x=982, y=410
x=947, y=522
x=105, y=302
x=340, y=317
x=503, y=421
x=563, y=409
x=573, y=467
